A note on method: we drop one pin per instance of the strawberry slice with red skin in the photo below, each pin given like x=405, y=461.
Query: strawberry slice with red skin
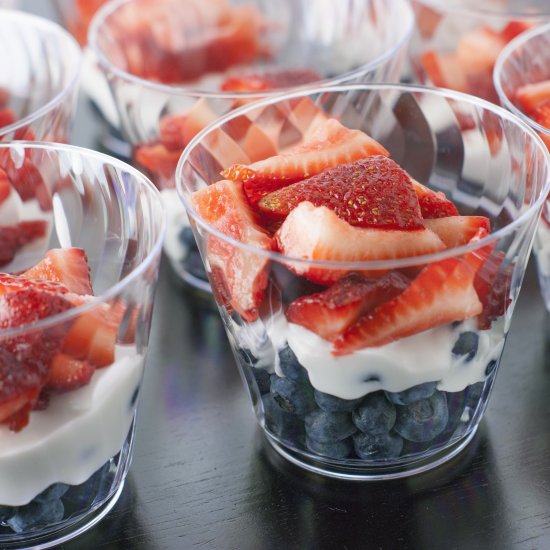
x=67, y=373
x=269, y=80
x=458, y=230
x=13, y=283
x=30, y=230
x=239, y=276
x=6, y=117
x=8, y=244
x=513, y=29
x=68, y=266
x=5, y=186
x=442, y=293
x=318, y=234
x=159, y=161
x=331, y=312
x=530, y=96
x=25, y=359
x=444, y=70
x=328, y=145
x=433, y=204
x=370, y=192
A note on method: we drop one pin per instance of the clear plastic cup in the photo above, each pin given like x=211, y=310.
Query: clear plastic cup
x=76, y=16
x=456, y=42
x=166, y=62
x=402, y=392
x=39, y=71
x=64, y=470
x=526, y=61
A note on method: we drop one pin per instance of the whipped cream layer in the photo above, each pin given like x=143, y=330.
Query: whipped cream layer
x=71, y=439
x=407, y=362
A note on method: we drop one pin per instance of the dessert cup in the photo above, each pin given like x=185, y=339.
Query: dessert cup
x=76, y=16
x=64, y=470
x=39, y=70
x=165, y=75
x=526, y=61
x=315, y=402
x=456, y=42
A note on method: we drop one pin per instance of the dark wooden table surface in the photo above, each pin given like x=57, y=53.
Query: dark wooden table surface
x=202, y=476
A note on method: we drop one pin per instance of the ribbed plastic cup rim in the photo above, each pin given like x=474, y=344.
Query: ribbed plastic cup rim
x=504, y=56
x=114, y=290
x=374, y=265
x=71, y=49
x=110, y=7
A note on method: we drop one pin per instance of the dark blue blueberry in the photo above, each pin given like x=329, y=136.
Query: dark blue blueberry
x=292, y=396
x=466, y=345
x=187, y=238
x=490, y=367
x=331, y=403
x=247, y=357
x=331, y=449
x=37, y=515
x=422, y=420
x=53, y=492
x=329, y=426
x=263, y=379
x=406, y=397
x=371, y=447
x=375, y=415
x=6, y=512
x=286, y=426
x=290, y=366
x=474, y=393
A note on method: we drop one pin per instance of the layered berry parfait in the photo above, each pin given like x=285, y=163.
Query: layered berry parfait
x=75, y=312
x=367, y=274
x=39, y=70
x=456, y=42
x=522, y=80
x=175, y=66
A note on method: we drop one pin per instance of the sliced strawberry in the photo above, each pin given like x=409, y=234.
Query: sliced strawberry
x=176, y=131
x=370, y=192
x=26, y=179
x=329, y=145
x=458, y=230
x=159, y=161
x=93, y=335
x=67, y=373
x=8, y=244
x=530, y=96
x=427, y=20
x=240, y=275
x=318, y=234
x=433, y=204
x=331, y=312
x=12, y=283
x=269, y=79
x=442, y=293
x=30, y=230
x=5, y=186
x=68, y=266
x=478, y=49
x=444, y=70
x=513, y=29
x=6, y=117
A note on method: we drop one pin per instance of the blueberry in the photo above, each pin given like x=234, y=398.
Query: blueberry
x=37, y=514
x=406, y=397
x=369, y=447
x=263, y=379
x=375, y=415
x=331, y=449
x=466, y=345
x=6, y=512
x=474, y=393
x=331, y=403
x=53, y=492
x=292, y=396
x=422, y=420
x=290, y=366
x=286, y=426
x=187, y=238
x=329, y=426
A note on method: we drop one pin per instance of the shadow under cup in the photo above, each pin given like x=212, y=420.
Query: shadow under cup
x=409, y=405
x=62, y=473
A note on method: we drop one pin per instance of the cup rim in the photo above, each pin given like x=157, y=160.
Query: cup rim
x=503, y=57
x=178, y=89
x=373, y=265
x=478, y=10
x=72, y=52
x=154, y=252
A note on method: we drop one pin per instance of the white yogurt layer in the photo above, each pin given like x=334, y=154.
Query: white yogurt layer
x=424, y=357
x=74, y=436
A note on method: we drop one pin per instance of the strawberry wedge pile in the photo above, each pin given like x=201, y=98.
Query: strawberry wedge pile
x=534, y=101
x=469, y=68
x=61, y=357
x=338, y=197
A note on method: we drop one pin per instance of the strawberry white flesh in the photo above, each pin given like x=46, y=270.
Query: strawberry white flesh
x=457, y=230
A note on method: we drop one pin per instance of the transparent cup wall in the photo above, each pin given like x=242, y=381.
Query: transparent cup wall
x=487, y=164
